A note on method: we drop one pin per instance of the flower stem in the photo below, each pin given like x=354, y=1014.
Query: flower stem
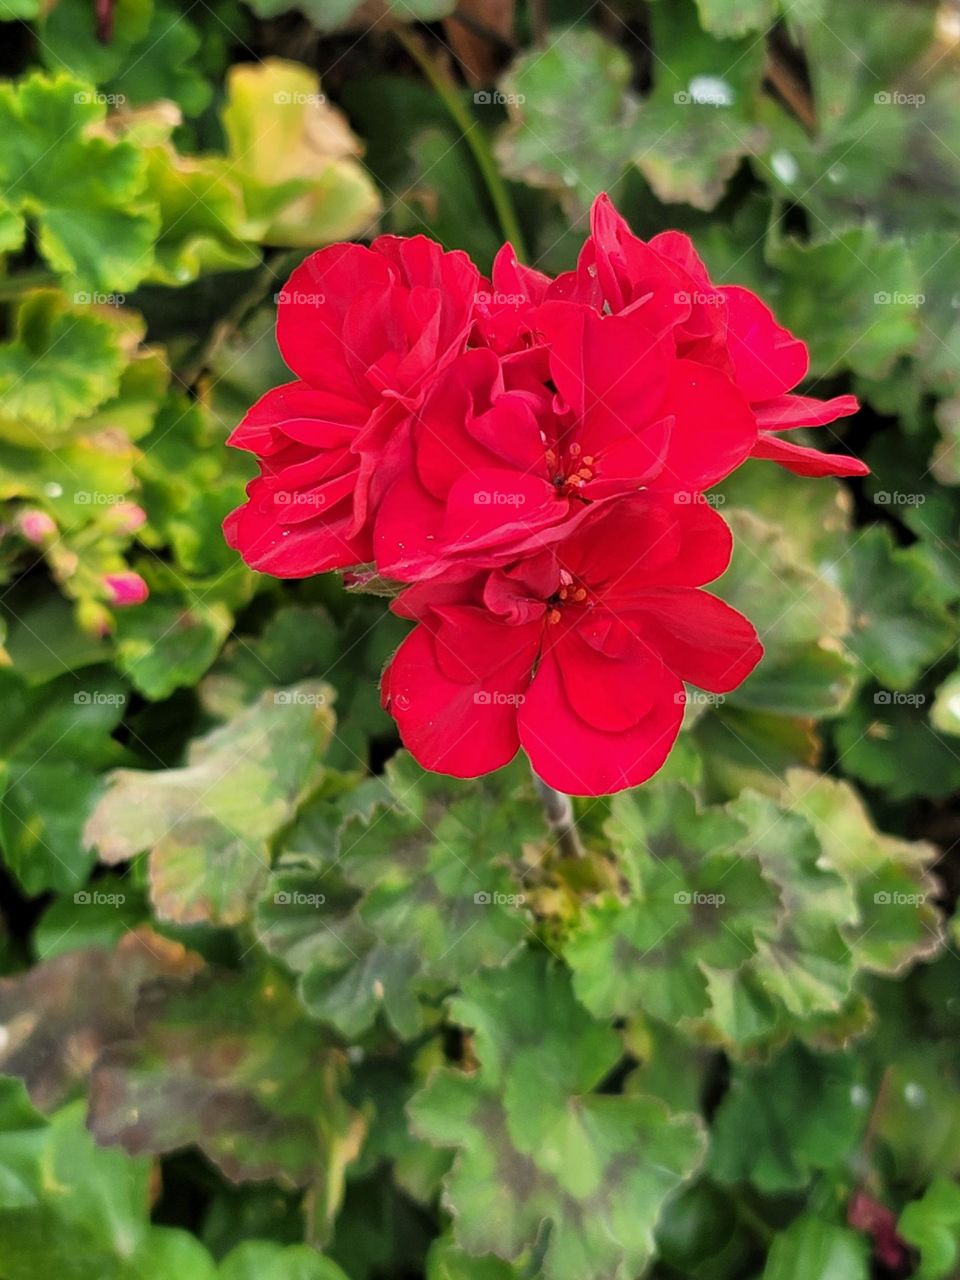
x=558, y=809
x=473, y=136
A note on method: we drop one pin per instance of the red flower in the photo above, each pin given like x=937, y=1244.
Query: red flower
x=500, y=454
x=577, y=653
x=529, y=455
x=365, y=331
x=724, y=327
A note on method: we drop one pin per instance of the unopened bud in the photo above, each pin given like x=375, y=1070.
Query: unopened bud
x=36, y=526
x=125, y=589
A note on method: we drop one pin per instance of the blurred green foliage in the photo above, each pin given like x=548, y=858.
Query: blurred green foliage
x=277, y=1004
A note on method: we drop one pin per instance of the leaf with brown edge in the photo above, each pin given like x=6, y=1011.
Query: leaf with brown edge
x=231, y=1064
x=61, y=1014
x=208, y=826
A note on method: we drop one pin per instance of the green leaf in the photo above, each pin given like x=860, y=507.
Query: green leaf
x=439, y=866
x=854, y=298
x=537, y=1144
x=102, y=916
x=781, y=1122
x=898, y=921
x=61, y=364
x=899, y=628
x=151, y=53
x=446, y=1262
x=88, y=208
x=892, y=746
x=55, y=738
x=691, y=902
x=811, y=1247
x=67, y=1207
x=331, y=15
x=231, y=1063
x=932, y=1225
x=803, y=970
x=294, y=157
x=696, y=126
x=802, y=619
x=264, y=1260
x=190, y=483
x=167, y=643
x=200, y=202
x=725, y=18
x=209, y=825
x=571, y=114
x=348, y=651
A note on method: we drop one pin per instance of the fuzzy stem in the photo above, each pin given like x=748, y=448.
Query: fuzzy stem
x=558, y=809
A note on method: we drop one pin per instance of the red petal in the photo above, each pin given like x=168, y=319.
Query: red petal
x=573, y=756
x=699, y=637
x=630, y=544
x=786, y=412
x=807, y=462
x=311, y=310
x=767, y=358
x=611, y=371
x=612, y=693
x=713, y=429
x=491, y=507
x=461, y=728
x=406, y=528
x=269, y=545
x=294, y=411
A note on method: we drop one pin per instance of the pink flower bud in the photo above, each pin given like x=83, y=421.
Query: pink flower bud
x=128, y=517
x=35, y=526
x=125, y=589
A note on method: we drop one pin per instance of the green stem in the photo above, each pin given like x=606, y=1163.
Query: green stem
x=473, y=135
x=558, y=810
x=273, y=272
x=751, y=1219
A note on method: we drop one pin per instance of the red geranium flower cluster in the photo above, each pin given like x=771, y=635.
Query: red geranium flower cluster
x=526, y=458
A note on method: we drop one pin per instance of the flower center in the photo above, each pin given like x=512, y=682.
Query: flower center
x=569, y=593
x=570, y=469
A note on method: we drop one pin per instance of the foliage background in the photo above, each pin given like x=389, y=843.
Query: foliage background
x=275, y=1003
